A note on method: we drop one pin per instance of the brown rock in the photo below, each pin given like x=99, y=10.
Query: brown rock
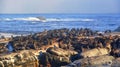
x=61, y=52
x=95, y=52
x=92, y=62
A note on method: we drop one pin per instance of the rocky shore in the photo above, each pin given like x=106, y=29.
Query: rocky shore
x=61, y=48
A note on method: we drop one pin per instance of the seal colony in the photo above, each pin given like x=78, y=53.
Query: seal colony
x=61, y=48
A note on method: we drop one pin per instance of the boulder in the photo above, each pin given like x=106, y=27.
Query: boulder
x=95, y=52
x=92, y=62
x=54, y=60
x=19, y=60
x=56, y=56
x=8, y=63
x=61, y=52
x=25, y=58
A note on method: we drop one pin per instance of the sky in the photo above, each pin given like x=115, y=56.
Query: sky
x=59, y=6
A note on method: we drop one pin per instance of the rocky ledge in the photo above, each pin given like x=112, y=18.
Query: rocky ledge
x=61, y=48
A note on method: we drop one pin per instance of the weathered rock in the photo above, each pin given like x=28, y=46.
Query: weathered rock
x=8, y=63
x=24, y=58
x=92, y=62
x=54, y=60
x=116, y=63
x=3, y=49
x=19, y=60
x=95, y=52
x=61, y=52
x=56, y=56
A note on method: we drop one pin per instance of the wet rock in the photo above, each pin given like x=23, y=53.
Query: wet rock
x=95, y=52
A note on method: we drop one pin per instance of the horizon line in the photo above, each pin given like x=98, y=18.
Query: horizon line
x=59, y=13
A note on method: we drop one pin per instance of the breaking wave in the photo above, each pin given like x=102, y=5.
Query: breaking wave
x=41, y=19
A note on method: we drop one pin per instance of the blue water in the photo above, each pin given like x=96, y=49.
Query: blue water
x=28, y=23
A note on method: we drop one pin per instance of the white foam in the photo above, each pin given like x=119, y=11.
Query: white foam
x=27, y=19
x=87, y=20
x=68, y=19
x=7, y=19
x=34, y=19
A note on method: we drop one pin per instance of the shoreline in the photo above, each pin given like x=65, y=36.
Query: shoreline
x=8, y=35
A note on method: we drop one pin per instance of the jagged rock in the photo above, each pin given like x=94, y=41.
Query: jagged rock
x=61, y=52
x=92, y=62
x=95, y=52
x=19, y=60
x=56, y=56
x=54, y=60
x=3, y=49
x=8, y=63
x=25, y=58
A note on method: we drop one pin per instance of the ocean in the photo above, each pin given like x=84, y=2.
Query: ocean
x=33, y=23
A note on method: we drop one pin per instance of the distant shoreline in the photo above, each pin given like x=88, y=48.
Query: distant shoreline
x=8, y=35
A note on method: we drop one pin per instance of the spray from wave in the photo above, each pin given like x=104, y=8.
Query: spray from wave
x=42, y=19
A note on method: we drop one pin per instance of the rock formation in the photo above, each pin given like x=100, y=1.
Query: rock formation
x=92, y=61
x=95, y=52
x=60, y=47
x=22, y=59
